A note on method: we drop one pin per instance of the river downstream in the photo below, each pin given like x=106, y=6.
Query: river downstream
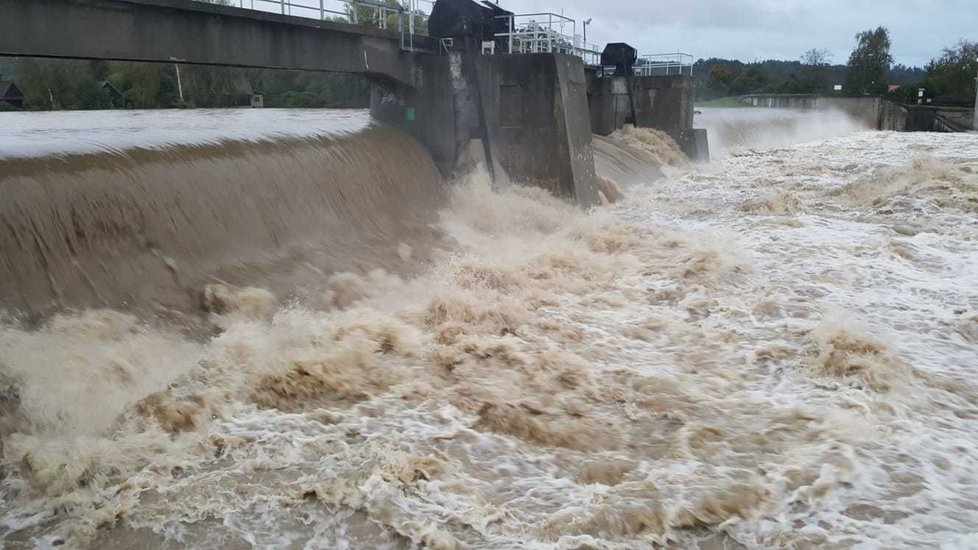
x=774, y=350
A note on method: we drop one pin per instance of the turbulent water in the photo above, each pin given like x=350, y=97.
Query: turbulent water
x=145, y=210
x=772, y=350
x=734, y=130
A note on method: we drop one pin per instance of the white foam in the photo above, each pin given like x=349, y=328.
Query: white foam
x=57, y=133
x=742, y=353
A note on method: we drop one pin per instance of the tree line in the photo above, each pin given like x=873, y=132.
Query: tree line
x=869, y=70
x=71, y=84
x=50, y=84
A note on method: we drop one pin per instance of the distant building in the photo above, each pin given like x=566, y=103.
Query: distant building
x=114, y=95
x=11, y=94
x=894, y=88
x=244, y=94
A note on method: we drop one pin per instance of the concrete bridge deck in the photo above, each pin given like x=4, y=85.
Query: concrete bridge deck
x=199, y=33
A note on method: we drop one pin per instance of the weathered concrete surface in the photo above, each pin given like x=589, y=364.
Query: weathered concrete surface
x=661, y=102
x=877, y=112
x=960, y=118
x=892, y=117
x=531, y=108
x=665, y=103
x=782, y=101
x=866, y=109
x=610, y=104
x=537, y=120
x=700, y=149
x=197, y=33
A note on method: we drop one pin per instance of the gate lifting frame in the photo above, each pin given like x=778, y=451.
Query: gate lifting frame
x=544, y=33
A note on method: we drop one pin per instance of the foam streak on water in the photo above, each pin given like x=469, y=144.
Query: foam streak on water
x=64, y=133
x=775, y=350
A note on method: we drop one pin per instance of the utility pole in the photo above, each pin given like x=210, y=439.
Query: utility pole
x=179, y=82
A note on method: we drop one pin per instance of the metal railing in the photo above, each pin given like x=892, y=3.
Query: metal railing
x=590, y=53
x=526, y=33
x=538, y=33
x=542, y=33
x=665, y=64
x=409, y=17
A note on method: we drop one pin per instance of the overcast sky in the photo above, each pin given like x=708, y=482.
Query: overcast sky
x=768, y=29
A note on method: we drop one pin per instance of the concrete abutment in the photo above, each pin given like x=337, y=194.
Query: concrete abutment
x=661, y=102
x=526, y=113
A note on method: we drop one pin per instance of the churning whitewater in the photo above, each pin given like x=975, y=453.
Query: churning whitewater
x=776, y=349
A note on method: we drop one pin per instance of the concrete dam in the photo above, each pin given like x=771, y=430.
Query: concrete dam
x=141, y=233
x=405, y=327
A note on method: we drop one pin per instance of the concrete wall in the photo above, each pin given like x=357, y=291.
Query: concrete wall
x=866, y=109
x=893, y=117
x=530, y=109
x=782, y=101
x=610, y=103
x=536, y=114
x=197, y=33
x=665, y=103
x=661, y=102
x=923, y=118
x=876, y=112
x=960, y=118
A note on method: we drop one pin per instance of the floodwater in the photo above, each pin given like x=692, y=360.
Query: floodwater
x=71, y=132
x=774, y=350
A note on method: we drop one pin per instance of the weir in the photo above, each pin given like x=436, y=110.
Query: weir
x=532, y=113
x=483, y=88
x=878, y=112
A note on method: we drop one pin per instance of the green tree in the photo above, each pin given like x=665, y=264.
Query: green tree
x=59, y=84
x=718, y=81
x=815, y=70
x=754, y=79
x=212, y=86
x=138, y=82
x=870, y=62
x=952, y=76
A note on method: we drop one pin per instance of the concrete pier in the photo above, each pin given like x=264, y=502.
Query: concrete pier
x=528, y=112
x=661, y=102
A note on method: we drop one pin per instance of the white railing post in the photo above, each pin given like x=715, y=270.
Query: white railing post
x=511, y=33
x=550, y=33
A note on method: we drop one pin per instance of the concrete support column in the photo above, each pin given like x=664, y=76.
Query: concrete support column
x=661, y=102
x=531, y=109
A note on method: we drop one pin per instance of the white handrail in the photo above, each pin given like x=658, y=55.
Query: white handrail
x=345, y=10
x=665, y=64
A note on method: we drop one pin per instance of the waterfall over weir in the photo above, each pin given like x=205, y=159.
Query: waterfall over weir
x=146, y=221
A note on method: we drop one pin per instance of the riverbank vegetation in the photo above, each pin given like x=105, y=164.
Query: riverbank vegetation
x=949, y=78
x=69, y=84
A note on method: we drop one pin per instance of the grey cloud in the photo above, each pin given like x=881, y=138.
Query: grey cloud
x=761, y=29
